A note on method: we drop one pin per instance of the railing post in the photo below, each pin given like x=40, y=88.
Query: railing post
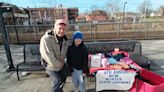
x=34, y=27
x=6, y=43
x=90, y=31
x=15, y=26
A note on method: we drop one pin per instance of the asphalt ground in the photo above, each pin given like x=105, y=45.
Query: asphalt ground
x=39, y=82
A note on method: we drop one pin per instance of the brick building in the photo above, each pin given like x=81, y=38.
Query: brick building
x=49, y=15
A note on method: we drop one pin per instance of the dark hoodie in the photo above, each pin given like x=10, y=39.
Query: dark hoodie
x=77, y=57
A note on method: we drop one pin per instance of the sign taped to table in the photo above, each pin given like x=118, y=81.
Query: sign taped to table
x=114, y=80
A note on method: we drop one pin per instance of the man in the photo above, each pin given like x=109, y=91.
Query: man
x=53, y=49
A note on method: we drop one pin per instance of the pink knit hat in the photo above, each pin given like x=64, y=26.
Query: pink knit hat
x=60, y=21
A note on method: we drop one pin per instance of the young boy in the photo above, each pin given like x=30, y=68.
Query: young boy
x=77, y=58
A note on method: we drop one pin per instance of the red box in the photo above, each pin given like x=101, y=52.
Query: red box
x=153, y=83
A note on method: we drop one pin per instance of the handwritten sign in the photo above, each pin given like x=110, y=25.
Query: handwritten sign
x=114, y=80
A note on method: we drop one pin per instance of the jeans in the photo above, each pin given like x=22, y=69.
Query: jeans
x=78, y=80
x=58, y=78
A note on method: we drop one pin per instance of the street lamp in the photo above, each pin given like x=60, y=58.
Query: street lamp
x=124, y=11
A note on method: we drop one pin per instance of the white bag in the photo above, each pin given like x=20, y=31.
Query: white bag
x=96, y=60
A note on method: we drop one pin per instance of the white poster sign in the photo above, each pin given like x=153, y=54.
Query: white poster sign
x=114, y=80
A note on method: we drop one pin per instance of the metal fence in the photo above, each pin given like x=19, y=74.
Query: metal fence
x=92, y=31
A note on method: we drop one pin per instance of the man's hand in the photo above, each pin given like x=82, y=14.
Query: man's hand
x=84, y=74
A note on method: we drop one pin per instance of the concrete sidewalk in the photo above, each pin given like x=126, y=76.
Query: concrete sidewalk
x=37, y=82
x=154, y=50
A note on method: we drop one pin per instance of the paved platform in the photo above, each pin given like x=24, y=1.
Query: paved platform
x=38, y=82
x=154, y=50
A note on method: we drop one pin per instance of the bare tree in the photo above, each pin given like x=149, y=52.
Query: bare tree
x=145, y=8
x=93, y=8
x=113, y=6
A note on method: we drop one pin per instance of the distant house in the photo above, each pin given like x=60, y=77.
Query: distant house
x=155, y=14
x=128, y=16
x=118, y=15
x=82, y=18
x=97, y=15
x=158, y=13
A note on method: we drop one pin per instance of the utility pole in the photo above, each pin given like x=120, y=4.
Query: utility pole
x=61, y=7
x=5, y=40
x=124, y=11
x=123, y=15
x=145, y=13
